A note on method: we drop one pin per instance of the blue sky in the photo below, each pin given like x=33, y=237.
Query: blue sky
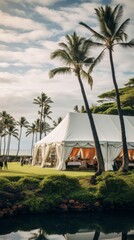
x=29, y=31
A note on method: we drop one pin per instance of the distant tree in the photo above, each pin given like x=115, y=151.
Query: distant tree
x=46, y=114
x=111, y=34
x=21, y=123
x=56, y=123
x=37, y=126
x=43, y=101
x=11, y=130
x=82, y=110
x=31, y=130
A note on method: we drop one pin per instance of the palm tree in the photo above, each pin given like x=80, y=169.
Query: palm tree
x=46, y=113
x=42, y=101
x=1, y=134
x=4, y=122
x=111, y=34
x=31, y=130
x=74, y=55
x=56, y=123
x=22, y=123
x=11, y=131
x=37, y=126
x=8, y=122
x=82, y=110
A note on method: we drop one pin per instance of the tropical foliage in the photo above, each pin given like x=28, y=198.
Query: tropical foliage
x=108, y=104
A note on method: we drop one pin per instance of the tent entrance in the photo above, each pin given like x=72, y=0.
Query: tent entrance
x=81, y=158
x=52, y=158
x=119, y=159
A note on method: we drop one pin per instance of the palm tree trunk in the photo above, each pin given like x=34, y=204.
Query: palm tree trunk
x=95, y=135
x=124, y=166
x=32, y=143
x=19, y=142
x=8, y=145
x=0, y=144
x=96, y=235
x=4, y=148
x=41, y=114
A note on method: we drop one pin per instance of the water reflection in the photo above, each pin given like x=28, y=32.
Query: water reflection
x=84, y=226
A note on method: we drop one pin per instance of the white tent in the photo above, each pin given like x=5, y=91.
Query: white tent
x=75, y=131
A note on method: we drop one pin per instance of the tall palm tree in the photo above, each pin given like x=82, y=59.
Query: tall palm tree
x=11, y=131
x=21, y=123
x=8, y=123
x=31, y=130
x=74, y=54
x=112, y=33
x=42, y=101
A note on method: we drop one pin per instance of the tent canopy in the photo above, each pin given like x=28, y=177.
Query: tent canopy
x=75, y=131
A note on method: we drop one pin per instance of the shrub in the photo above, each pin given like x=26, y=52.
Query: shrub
x=83, y=195
x=116, y=189
x=6, y=185
x=34, y=204
x=28, y=183
x=61, y=185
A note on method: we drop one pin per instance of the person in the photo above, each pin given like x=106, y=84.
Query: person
x=95, y=163
x=21, y=161
x=115, y=167
x=1, y=164
x=5, y=163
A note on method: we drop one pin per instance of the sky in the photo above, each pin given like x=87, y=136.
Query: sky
x=30, y=31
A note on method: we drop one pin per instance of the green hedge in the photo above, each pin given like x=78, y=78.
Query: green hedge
x=38, y=195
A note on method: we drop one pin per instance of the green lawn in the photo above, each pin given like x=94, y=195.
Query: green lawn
x=14, y=169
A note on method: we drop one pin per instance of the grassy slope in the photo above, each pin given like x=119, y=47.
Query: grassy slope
x=14, y=169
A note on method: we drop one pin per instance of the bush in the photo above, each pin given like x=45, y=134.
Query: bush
x=6, y=185
x=116, y=189
x=28, y=183
x=60, y=185
x=34, y=204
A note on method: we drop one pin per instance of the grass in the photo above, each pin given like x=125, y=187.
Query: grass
x=14, y=169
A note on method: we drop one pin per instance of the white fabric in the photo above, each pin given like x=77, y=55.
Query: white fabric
x=63, y=156
x=75, y=131
x=35, y=151
x=110, y=152
x=45, y=154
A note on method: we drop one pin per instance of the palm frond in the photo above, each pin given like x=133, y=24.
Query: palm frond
x=118, y=12
x=60, y=70
x=97, y=60
x=97, y=35
x=88, y=60
x=62, y=55
x=87, y=76
x=119, y=34
x=128, y=44
x=94, y=44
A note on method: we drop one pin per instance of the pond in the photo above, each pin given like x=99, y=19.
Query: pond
x=74, y=226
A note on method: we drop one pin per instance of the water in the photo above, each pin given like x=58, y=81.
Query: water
x=84, y=226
